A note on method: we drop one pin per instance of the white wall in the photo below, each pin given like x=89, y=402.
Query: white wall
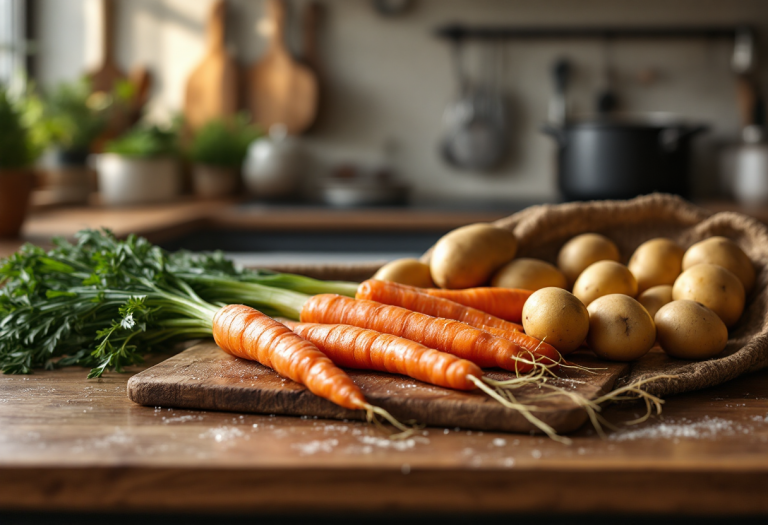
x=390, y=79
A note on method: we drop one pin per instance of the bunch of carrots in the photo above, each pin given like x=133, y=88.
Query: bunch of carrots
x=103, y=302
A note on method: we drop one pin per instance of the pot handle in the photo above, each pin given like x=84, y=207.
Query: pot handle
x=556, y=133
x=670, y=138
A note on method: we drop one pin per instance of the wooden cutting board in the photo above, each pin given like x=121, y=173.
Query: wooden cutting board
x=104, y=77
x=212, y=88
x=204, y=377
x=280, y=89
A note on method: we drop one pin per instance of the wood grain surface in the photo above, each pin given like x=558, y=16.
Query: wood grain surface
x=204, y=377
x=213, y=87
x=77, y=444
x=280, y=89
x=107, y=73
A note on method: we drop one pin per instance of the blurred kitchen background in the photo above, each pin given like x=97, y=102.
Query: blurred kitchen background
x=436, y=103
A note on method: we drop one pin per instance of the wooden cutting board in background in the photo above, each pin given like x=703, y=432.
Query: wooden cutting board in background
x=106, y=74
x=204, y=377
x=280, y=89
x=212, y=88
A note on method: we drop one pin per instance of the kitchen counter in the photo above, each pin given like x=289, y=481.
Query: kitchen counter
x=67, y=443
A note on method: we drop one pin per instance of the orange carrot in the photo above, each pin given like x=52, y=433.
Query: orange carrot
x=504, y=303
x=247, y=333
x=354, y=347
x=446, y=335
x=412, y=298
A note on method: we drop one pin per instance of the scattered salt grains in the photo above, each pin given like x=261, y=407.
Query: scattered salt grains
x=180, y=419
x=313, y=447
x=508, y=462
x=707, y=428
x=499, y=442
x=400, y=446
x=760, y=419
x=222, y=434
x=536, y=454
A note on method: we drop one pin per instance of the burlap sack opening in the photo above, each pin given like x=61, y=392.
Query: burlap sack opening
x=542, y=230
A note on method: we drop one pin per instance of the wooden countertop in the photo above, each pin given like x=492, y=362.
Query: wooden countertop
x=67, y=443
x=165, y=221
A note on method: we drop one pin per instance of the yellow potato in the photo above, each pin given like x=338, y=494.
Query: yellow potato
x=722, y=252
x=656, y=262
x=654, y=298
x=528, y=274
x=620, y=328
x=468, y=256
x=582, y=251
x=406, y=271
x=714, y=287
x=689, y=330
x=604, y=278
x=556, y=316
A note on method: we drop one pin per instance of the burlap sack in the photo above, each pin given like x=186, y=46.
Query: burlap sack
x=542, y=230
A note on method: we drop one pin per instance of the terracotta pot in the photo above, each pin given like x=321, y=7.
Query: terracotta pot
x=214, y=181
x=15, y=187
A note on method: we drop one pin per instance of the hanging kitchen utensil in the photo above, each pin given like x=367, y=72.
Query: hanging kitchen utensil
x=104, y=77
x=212, y=88
x=281, y=90
x=310, y=22
x=558, y=106
x=606, y=100
x=743, y=65
x=477, y=135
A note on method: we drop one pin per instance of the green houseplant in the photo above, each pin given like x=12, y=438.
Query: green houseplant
x=68, y=119
x=141, y=166
x=217, y=152
x=17, y=154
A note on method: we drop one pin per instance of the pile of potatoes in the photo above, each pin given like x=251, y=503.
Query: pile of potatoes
x=683, y=299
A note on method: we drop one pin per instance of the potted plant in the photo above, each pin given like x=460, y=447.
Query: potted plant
x=140, y=167
x=217, y=152
x=17, y=154
x=68, y=119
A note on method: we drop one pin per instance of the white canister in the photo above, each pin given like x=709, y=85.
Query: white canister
x=273, y=166
x=751, y=170
x=126, y=180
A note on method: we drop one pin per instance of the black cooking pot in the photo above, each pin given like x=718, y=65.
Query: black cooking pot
x=620, y=158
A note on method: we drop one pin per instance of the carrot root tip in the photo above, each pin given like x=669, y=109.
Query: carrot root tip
x=406, y=430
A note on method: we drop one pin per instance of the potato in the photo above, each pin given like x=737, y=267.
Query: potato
x=468, y=256
x=654, y=298
x=656, y=262
x=406, y=271
x=604, y=278
x=556, y=316
x=583, y=250
x=689, y=330
x=722, y=252
x=620, y=328
x=714, y=287
x=528, y=274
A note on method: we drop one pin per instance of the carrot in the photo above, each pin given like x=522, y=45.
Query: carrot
x=412, y=298
x=446, y=335
x=249, y=334
x=354, y=347
x=505, y=303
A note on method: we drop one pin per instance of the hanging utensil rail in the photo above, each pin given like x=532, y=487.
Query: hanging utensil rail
x=460, y=31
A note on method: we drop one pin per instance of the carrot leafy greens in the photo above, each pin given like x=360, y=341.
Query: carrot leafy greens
x=102, y=302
